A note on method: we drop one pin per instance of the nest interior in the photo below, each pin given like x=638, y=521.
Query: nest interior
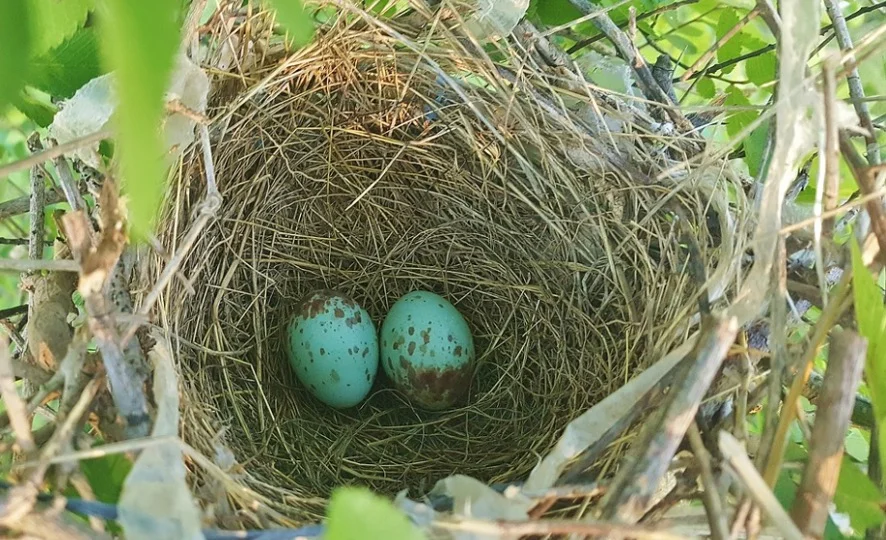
x=350, y=166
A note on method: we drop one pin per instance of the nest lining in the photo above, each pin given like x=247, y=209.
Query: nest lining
x=334, y=176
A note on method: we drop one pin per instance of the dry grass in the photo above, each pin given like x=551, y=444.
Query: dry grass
x=334, y=177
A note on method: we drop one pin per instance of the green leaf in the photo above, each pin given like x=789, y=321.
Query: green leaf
x=297, y=21
x=53, y=21
x=870, y=313
x=705, y=88
x=139, y=41
x=858, y=497
x=739, y=119
x=106, y=475
x=732, y=48
x=357, y=513
x=761, y=70
x=63, y=70
x=15, y=49
x=40, y=112
x=556, y=12
x=857, y=445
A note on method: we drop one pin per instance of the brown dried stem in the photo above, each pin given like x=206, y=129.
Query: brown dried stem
x=53, y=152
x=845, y=364
x=15, y=407
x=635, y=483
x=713, y=503
x=518, y=529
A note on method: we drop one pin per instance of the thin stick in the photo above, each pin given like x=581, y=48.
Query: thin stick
x=756, y=487
x=518, y=529
x=845, y=362
x=69, y=185
x=208, y=208
x=831, y=152
x=856, y=89
x=27, y=265
x=864, y=177
x=713, y=504
x=826, y=321
x=712, y=51
x=21, y=205
x=38, y=217
x=771, y=16
x=53, y=152
x=15, y=407
x=635, y=483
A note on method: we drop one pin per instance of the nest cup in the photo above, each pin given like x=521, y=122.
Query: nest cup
x=352, y=165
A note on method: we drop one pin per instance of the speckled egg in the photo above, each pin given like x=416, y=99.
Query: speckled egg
x=427, y=350
x=333, y=347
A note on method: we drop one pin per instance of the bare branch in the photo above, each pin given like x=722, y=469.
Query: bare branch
x=15, y=407
x=856, y=90
x=845, y=362
x=53, y=152
x=756, y=487
x=635, y=483
x=27, y=265
x=713, y=503
x=518, y=529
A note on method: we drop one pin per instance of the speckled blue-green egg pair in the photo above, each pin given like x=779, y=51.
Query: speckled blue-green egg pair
x=425, y=348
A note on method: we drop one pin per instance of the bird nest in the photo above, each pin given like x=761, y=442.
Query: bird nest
x=373, y=167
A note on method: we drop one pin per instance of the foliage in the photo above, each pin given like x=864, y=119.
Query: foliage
x=357, y=513
x=870, y=313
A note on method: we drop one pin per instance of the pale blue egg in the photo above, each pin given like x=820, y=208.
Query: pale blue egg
x=333, y=348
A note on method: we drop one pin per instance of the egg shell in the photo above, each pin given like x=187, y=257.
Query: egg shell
x=333, y=348
x=427, y=350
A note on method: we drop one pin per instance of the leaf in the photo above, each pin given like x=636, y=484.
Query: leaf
x=40, y=112
x=870, y=313
x=295, y=19
x=357, y=513
x=739, y=119
x=63, y=70
x=732, y=48
x=857, y=446
x=858, y=497
x=53, y=21
x=705, y=87
x=106, y=475
x=139, y=41
x=556, y=12
x=761, y=70
x=15, y=48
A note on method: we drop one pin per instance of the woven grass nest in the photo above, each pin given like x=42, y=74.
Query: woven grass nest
x=354, y=165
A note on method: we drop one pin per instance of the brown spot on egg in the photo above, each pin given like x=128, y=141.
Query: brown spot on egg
x=365, y=352
x=322, y=351
x=457, y=351
x=426, y=336
x=449, y=338
x=399, y=341
x=334, y=376
x=339, y=313
x=411, y=330
x=432, y=388
x=411, y=349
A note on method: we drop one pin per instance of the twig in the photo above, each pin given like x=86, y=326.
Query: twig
x=28, y=265
x=825, y=322
x=13, y=311
x=831, y=152
x=518, y=529
x=856, y=90
x=864, y=177
x=23, y=497
x=845, y=362
x=207, y=210
x=635, y=483
x=737, y=458
x=97, y=262
x=70, y=186
x=712, y=51
x=645, y=15
x=37, y=215
x=21, y=205
x=15, y=407
x=53, y=152
x=713, y=504
x=770, y=15
x=628, y=52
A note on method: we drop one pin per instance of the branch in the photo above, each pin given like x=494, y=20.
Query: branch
x=845, y=363
x=864, y=178
x=628, y=52
x=546, y=527
x=15, y=407
x=27, y=265
x=713, y=503
x=53, y=152
x=856, y=90
x=635, y=483
x=21, y=205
